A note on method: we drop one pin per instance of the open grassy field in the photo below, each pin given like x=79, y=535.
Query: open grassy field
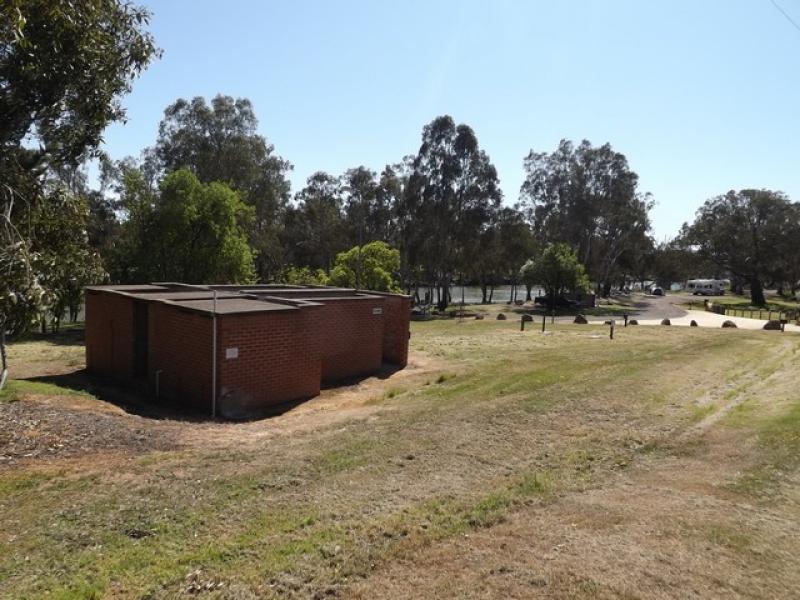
x=500, y=463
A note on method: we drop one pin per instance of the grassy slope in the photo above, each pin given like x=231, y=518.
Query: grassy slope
x=513, y=418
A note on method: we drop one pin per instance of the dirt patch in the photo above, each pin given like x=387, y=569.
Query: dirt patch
x=41, y=427
x=334, y=406
x=52, y=427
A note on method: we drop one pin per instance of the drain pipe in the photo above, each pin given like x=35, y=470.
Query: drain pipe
x=214, y=359
x=158, y=384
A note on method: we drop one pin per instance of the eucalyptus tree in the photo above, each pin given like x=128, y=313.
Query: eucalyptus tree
x=63, y=67
x=367, y=206
x=743, y=232
x=315, y=226
x=452, y=189
x=587, y=197
x=186, y=231
x=558, y=270
x=220, y=142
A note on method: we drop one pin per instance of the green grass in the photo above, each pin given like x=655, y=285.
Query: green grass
x=740, y=303
x=322, y=505
x=16, y=388
x=778, y=436
x=727, y=536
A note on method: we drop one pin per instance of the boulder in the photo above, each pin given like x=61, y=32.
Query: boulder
x=693, y=323
x=728, y=325
x=479, y=317
x=580, y=320
x=501, y=317
x=666, y=322
x=519, y=302
x=527, y=318
x=633, y=322
x=772, y=325
x=607, y=322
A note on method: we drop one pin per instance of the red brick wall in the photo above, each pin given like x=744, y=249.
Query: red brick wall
x=179, y=345
x=109, y=335
x=397, y=317
x=282, y=355
x=351, y=337
x=278, y=359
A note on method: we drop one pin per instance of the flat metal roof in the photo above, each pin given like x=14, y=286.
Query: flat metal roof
x=170, y=295
x=142, y=288
x=233, y=299
x=229, y=306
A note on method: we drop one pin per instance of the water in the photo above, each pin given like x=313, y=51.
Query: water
x=472, y=293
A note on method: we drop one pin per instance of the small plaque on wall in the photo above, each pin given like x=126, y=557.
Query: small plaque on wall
x=231, y=353
x=377, y=311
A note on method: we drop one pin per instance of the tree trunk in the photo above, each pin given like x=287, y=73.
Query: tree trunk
x=491, y=293
x=443, y=295
x=528, y=293
x=606, y=289
x=756, y=292
x=483, y=293
x=3, y=359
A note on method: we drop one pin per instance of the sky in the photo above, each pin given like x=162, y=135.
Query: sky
x=702, y=96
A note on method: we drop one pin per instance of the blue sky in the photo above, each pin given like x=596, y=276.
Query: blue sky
x=702, y=96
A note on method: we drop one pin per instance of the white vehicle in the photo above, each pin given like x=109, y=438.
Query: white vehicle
x=706, y=287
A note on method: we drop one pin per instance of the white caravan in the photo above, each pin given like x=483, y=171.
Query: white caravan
x=706, y=287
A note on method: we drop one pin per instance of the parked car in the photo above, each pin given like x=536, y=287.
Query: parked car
x=561, y=302
x=656, y=291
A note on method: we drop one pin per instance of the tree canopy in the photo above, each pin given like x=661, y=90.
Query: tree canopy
x=369, y=267
x=186, y=231
x=219, y=142
x=743, y=233
x=558, y=270
x=63, y=69
x=588, y=197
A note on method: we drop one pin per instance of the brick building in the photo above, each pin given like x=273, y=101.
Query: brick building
x=237, y=350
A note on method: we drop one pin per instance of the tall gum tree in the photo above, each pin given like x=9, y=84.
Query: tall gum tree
x=588, y=197
x=743, y=231
x=453, y=190
x=219, y=141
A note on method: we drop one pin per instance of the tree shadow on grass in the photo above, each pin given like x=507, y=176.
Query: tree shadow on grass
x=69, y=335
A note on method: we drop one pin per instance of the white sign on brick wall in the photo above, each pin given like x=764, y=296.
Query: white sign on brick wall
x=377, y=311
x=231, y=353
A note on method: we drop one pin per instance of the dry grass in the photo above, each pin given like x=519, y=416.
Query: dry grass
x=500, y=464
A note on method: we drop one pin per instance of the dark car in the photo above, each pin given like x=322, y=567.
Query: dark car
x=561, y=302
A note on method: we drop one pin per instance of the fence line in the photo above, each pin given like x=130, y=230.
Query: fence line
x=755, y=313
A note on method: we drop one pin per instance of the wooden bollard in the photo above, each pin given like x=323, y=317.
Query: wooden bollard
x=544, y=322
x=611, y=330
